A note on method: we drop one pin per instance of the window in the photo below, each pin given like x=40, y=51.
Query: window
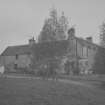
x=87, y=51
x=15, y=66
x=84, y=52
x=86, y=63
x=16, y=56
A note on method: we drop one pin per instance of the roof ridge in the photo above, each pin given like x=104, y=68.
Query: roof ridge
x=88, y=42
x=18, y=45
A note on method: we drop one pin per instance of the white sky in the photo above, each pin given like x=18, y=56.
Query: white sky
x=21, y=19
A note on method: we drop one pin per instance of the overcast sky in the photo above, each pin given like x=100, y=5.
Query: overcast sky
x=21, y=19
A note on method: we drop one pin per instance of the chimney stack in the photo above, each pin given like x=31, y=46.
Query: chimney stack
x=31, y=41
x=89, y=39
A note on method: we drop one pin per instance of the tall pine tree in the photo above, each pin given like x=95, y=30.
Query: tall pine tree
x=99, y=60
x=99, y=64
x=102, y=35
x=55, y=27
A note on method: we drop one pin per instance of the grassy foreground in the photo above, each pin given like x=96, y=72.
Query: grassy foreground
x=43, y=92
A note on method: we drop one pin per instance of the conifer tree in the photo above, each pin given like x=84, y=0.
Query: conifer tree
x=99, y=60
x=55, y=27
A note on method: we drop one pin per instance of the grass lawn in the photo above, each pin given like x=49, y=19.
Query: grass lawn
x=95, y=80
x=18, y=91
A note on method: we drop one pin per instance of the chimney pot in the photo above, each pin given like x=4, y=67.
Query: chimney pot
x=89, y=39
x=31, y=41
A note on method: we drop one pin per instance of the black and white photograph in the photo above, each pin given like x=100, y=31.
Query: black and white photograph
x=52, y=52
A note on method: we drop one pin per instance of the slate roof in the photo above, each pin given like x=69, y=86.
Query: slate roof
x=45, y=49
x=86, y=43
x=40, y=50
x=14, y=50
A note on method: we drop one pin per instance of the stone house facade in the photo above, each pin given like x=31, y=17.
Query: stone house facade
x=15, y=58
x=12, y=59
x=77, y=51
x=86, y=51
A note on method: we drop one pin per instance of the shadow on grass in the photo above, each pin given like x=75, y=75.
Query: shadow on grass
x=102, y=85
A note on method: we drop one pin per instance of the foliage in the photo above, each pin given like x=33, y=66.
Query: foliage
x=42, y=71
x=102, y=34
x=53, y=66
x=67, y=67
x=55, y=28
x=99, y=64
x=47, y=33
x=99, y=60
x=47, y=67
